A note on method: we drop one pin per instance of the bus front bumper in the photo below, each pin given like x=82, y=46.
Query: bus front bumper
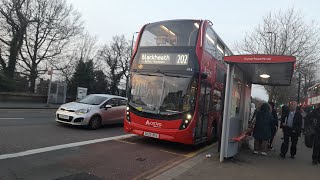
x=174, y=135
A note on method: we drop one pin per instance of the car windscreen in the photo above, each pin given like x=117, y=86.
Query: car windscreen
x=93, y=100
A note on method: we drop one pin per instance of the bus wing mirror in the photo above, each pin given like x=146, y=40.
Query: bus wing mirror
x=204, y=75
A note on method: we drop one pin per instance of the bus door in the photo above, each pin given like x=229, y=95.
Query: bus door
x=204, y=102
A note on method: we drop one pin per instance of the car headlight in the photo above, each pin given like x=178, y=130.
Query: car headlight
x=82, y=111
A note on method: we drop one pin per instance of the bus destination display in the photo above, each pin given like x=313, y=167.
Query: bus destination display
x=164, y=58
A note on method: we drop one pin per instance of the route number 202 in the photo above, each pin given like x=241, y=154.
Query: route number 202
x=182, y=59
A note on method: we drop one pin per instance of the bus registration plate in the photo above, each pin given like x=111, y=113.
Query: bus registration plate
x=149, y=134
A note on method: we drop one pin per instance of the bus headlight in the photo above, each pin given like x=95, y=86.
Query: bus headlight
x=128, y=114
x=186, y=121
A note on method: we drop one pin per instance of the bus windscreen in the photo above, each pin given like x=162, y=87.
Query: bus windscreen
x=162, y=94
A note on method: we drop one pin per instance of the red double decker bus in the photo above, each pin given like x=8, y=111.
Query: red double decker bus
x=313, y=96
x=176, y=85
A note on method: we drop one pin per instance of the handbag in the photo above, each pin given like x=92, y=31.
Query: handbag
x=308, y=140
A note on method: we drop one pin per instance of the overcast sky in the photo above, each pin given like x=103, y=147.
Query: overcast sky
x=231, y=18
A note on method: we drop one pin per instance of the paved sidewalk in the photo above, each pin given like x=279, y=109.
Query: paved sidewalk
x=25, y=105
x=247, y=166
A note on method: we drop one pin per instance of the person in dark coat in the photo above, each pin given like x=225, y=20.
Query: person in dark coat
x=313, y=120
x=262, y=129
x=291, y=126
x=274, y=127
x=284, y=113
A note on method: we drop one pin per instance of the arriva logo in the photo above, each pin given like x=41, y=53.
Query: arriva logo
x=153, y=124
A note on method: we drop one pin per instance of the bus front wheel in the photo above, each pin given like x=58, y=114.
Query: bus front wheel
x=213, y=138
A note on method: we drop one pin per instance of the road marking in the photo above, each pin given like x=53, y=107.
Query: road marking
x=10, y=118
x=192, y=154
x=63, y=146
x=125, y=141
x=173, y=153
x=159, y=170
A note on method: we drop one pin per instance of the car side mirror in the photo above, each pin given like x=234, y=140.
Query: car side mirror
x=108, y=106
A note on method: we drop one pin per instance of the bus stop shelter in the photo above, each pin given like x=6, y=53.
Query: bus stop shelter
x=242, y=72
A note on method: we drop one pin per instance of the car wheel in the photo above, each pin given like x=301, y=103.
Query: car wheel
x=95, y=122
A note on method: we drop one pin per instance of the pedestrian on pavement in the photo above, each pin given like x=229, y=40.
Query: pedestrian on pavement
x=262, y=129
x=274, y=127
x=284, y=113
x=291, y=126
x=303, y=113
x=252, y=120
x=313, y=119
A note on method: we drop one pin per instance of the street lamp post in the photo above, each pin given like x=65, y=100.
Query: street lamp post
x=299, y=85
x=273, y=42
x=50, y=72
x=132, y=41
x=274, y=52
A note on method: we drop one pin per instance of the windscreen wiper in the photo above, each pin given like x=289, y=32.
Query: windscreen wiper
x=170, y=75
x=147, y=74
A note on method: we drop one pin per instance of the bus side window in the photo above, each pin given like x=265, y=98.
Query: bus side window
x=220, y=75
x=216, y=101
x=208, y=98
x=210, y=42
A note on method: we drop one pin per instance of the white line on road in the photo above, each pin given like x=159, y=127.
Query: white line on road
x=63, y=146
x=11, y=118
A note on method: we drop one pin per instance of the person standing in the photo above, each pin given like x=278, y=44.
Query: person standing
x=262, y=129
x=284, y=113
x=312, y=120
x=291, y=126
x=274, y=127
x=303, y=113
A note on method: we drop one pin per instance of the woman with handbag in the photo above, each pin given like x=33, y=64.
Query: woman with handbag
x=262, y=129
x=312, y=134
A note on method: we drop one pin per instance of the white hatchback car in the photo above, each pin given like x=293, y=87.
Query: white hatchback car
x=94, y=111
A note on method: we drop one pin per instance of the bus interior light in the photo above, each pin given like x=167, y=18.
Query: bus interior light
x=196, y=25
x=189, y=116
x=210, y=39
x=167, y=30
x=128, y=108
x=220, y=49
x=265, y=76
x=186, y=121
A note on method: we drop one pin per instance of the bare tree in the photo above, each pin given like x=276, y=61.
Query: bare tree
x=285, y=33
x=84, y=48
x=309, y=74
x=55, y=26
x=116, y=55
x=14, y=19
